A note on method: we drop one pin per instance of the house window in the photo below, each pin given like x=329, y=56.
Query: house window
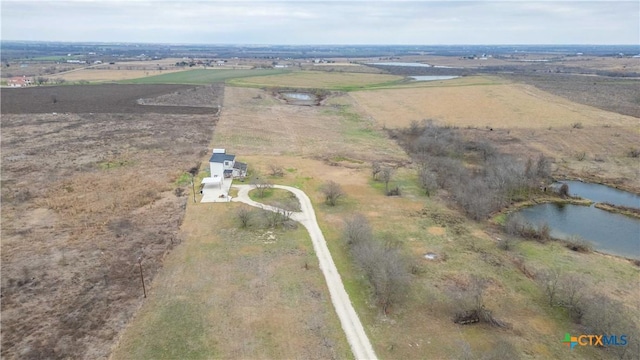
x=226, y=163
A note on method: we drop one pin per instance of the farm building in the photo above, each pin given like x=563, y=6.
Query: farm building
x=19, y=81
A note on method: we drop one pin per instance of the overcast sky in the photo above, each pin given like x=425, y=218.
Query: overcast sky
x=324, y=22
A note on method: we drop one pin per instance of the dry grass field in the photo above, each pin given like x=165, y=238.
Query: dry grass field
x=337, y=141
x=83, y=196
x=236, y=294
x=107, y=75
x=325, y=80
x=486, y=103
x=586, y=142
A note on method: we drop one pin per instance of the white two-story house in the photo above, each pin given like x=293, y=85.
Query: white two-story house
x=224, y=166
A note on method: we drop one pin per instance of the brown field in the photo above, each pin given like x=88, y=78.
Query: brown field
x=106, y=75
x=83, y=196
x=337, y=141
x=483, y=104
x=107, y=98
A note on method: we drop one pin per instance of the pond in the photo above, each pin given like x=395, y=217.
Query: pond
x=299, y=96
x=608, y=232
x=433, y=78
x=391, y=63
x=602, y=193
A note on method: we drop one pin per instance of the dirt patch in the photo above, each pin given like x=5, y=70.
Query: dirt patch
x=198, y=96
x=107, y=98
x=436, y=230
x=83, y=195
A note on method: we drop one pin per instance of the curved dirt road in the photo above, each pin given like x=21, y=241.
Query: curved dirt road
x=358, y=340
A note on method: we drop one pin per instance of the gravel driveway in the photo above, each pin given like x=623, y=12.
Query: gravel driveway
x=358, y=340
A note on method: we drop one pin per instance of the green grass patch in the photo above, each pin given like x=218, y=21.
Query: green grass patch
x=176, y=331
x=276, y=197
x=340, y=81
x=201, y=76
x=114, y=164
x=184, y=179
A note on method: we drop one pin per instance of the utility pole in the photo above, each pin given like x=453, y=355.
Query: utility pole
x=142, y=276
x=193, y=188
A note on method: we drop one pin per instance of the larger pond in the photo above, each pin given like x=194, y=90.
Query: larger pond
x=391, y=63
x=608, y=232
x=433, y=77
x=601, y=193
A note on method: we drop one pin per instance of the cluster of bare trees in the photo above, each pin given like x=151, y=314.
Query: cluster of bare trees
x=597, y=313
x=383, y=263
x=265, y=219
x=518, y=226
x=479, y=178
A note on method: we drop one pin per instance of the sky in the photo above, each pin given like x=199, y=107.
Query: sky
x=323, y=22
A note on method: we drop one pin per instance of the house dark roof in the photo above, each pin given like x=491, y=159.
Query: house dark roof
x=220, y=158
x=240, y=166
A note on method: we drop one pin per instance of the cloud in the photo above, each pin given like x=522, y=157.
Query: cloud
x=324, y=22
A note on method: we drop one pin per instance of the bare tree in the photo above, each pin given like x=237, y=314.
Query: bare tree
x=375, y=170
x=332, y=191
x=471, y=307
x=543, y=167
x=276, y=170
x=262, y=185
x=427, y=180
x=550, y=281
x=357, y=230
x=244, y=215
x=386, y=174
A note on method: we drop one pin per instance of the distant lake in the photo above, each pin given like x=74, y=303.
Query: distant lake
x=433, y=78
x=400, y=64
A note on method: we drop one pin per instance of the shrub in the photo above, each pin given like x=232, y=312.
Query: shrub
x=427, y=180
x=384, y=265
x=506, y=243
x=332, y=191
x=394, y=191
x=564, y=190
x=577, y=125
x=470, y=306
x=576, y=243
x=516, y=225
x=357, y=230
x=580, y=156
x=244, y=216
x=634, y=153
x=375, y=170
